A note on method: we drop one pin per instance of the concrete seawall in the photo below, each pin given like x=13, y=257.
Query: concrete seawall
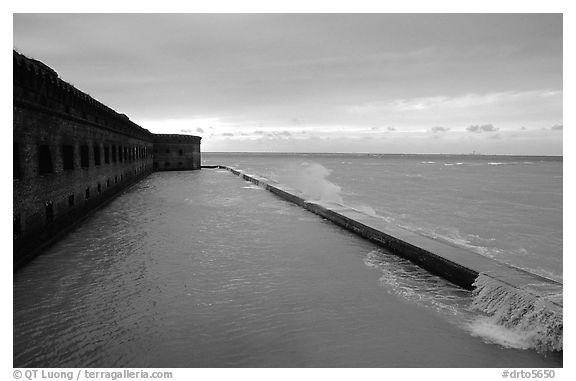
x=515, y=297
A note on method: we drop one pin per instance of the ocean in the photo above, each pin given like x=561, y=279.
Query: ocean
x=204, y=269
x=508, y=208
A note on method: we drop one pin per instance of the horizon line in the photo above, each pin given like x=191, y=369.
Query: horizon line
x=381, y=153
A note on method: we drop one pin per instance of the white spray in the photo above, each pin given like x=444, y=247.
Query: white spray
x=312, y=181
x=517, y=318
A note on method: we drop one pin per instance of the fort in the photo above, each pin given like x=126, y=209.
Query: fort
x=72, y=153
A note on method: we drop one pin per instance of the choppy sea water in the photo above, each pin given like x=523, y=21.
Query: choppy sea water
x=505, y=208
x=202, y=269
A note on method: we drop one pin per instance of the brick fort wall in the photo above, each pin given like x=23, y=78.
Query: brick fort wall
x=72, y=153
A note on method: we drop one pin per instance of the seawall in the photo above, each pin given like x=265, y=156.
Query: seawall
x=513, y=297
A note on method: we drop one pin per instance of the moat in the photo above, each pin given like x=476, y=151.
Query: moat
x=202, y=269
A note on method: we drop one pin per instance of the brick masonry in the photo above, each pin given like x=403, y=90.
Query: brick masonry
x=71, y=154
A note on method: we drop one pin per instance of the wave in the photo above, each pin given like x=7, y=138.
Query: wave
x=312, y=181
x=509, y=317
x=486, y=247
x=451, y=164
x=516, y=318
x=414, y=284
x=253, y=186
x=494, y=311
x=453, y=237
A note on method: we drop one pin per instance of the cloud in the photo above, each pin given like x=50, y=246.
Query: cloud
x=227, y=134
x=188, y=130
x=495, y=137
x=391, y=128
x=557, y=127
x=523, y=128
x=278, y=134
x=477, y=128
x=458, y=102
x=294, y=71
x=439, y=129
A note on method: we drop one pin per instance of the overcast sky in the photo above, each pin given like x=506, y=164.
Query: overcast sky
x=319, y=83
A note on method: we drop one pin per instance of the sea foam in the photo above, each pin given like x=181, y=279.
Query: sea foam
x=517, y=318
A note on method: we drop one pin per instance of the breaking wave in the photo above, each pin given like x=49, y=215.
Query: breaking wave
x=312, y=181
x=414, y=284
x=495, y=312
x=516, y=318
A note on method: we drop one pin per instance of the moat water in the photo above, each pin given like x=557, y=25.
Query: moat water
x=202, y=269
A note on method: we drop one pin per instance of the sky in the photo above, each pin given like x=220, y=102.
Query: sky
x=380, y=83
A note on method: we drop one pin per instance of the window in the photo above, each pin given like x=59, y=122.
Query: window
x=120, y=154
x=99, y=188
x=71, y=200
x=113, y=153
x=44, y=160
x=107, y=183
x=167, y=150
x=16, y=226
x=179, y=163
x=87, y=193
x=166, y=164
x=180, y=152
x=49, y=211
x=106, y=155
x=84, y=157
x=96, y=155
x=68, y=157
x=16, y=162
x=115, y=179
